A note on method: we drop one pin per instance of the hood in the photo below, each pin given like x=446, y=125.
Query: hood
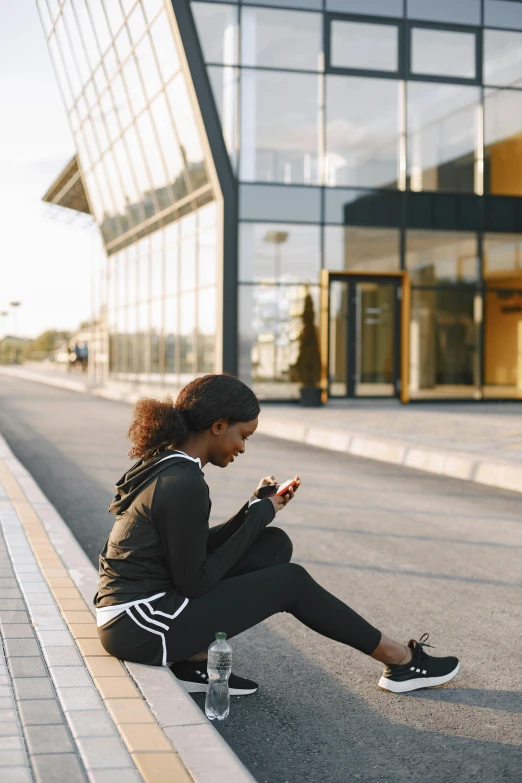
x=136, y=478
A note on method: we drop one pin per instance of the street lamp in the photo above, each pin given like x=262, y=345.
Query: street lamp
x=15, y=306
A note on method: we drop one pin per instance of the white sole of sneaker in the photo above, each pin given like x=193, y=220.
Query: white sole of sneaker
x=196, y=687
x=416, y=683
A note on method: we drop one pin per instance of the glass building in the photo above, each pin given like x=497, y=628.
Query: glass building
x=239, y=154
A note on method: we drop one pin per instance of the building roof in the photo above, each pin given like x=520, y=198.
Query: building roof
x=68, y=189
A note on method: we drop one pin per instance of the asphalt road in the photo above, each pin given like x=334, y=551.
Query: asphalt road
x=410, y=551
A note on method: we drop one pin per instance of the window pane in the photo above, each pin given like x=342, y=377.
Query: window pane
x=443, y=53
x=503, y=259
x=187, y=130
x=218, y=30
x=502, y=129
x=441, y=257
x=362, y=131
x=503, y=13
x=365, y=46
x=165, y=47
x=207, y=257
x=442, y=137
x=187, y=327
x=375, y=7
x=281, y=39
x=460, y=12
x=148, y=68
x=444, y=357
x=225, y=86
x=311, y=4
x=362, y=207
x=280, y=202
x=269, y=328
x=502, y=360
x=188, y=263
x=282, y=252
x=361, y=249
x=502, y=58
x=171, y=269
x=279, y=127
x=207, y=314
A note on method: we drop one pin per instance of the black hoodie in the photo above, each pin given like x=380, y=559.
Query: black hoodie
x=159, y=540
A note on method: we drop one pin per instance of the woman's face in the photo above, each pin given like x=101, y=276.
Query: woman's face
x=228, y=440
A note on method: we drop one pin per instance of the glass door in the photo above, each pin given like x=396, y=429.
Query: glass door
x=364, y=336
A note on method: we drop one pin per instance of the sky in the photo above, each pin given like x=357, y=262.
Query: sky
x=44, y=263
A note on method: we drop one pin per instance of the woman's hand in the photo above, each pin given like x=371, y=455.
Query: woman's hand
x=280, y=502
x=265, y=482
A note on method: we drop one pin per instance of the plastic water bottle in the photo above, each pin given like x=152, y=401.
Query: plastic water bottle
x=217, y=703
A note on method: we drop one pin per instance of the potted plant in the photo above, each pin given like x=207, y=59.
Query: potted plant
x=308, y=365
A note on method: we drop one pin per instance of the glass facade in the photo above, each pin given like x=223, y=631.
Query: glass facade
x=376, y=137
x=359, y=136
x=140, y=147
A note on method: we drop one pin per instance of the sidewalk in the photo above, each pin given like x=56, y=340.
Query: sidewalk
x=480, y=442
x=69, y=712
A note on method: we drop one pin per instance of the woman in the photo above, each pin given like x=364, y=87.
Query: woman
x=168, y=582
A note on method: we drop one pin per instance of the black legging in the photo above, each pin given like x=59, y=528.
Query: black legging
x=263, y=582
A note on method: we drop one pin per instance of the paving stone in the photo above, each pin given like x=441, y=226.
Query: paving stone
x=5, y=691
x=48, y=739
x=33, y=688
x=55, y=638
x=12, y=742
x=35, y=587
x=12, y=758
x=8, y=715
x=38, y=611
x=9, y=729
x=7, y=582
x=113, y=776
x=162, y=766
x=40, y=712
x=7, y=703
x=90, y=723
x=10, y=592
x=12, y=604
x=17, y=631
x=57, y=768
x=27, y=667
x=13, y=617
x=21, y=648
x=103, y=752
x=49, y=623
x=79, y=698
x=62, y=656
x=4, y=679
x=38, y=599
x=17, y=774
x=70, y=676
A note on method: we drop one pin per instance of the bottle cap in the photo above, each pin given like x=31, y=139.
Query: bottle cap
x=221, y=635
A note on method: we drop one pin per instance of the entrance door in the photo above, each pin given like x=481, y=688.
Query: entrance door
x=364, y=340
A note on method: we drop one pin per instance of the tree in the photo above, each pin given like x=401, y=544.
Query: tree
x=308, y=364
x=49, y=340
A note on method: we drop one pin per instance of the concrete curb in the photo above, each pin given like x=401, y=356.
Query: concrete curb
x=202, y=750
x=454, y=464
x=461, y=465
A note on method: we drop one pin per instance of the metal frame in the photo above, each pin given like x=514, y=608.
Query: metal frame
x=189, y=41
x=402, y=357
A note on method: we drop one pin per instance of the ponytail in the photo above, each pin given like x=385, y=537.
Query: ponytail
x=157, y=425
x=162, y=425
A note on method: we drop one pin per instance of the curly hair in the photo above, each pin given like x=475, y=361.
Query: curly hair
x=161, y=424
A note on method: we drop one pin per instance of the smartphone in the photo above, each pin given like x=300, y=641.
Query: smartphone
x=283, y=489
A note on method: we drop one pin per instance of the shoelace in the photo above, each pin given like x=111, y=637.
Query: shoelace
x=419, y=656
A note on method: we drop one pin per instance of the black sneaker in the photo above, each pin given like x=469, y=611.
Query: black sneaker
x=422, y=671
x=194, y=677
